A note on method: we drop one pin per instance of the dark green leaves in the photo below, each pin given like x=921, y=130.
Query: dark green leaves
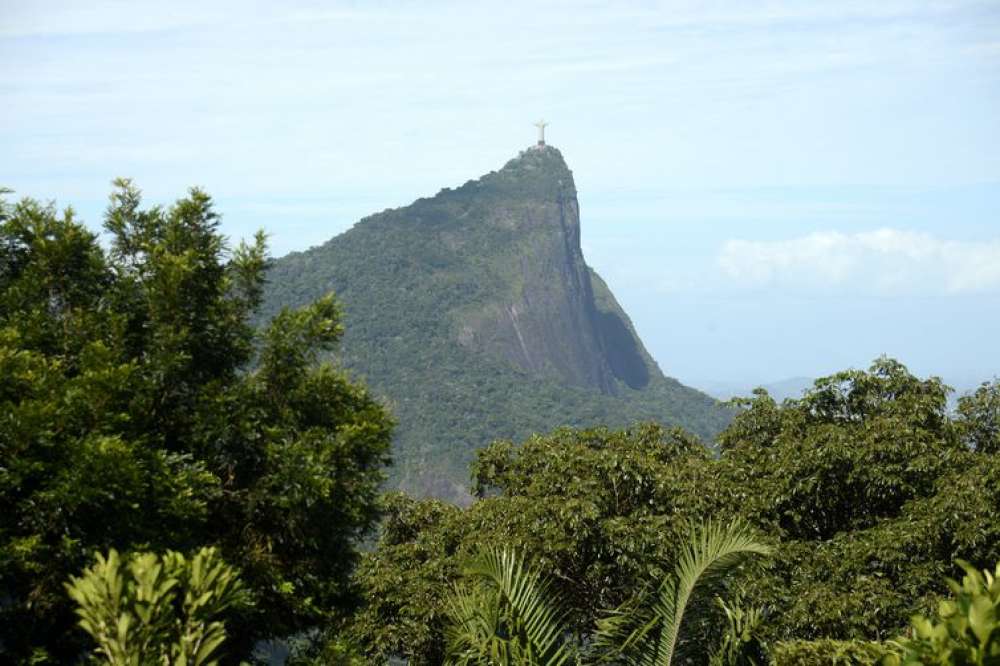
x=132, y=417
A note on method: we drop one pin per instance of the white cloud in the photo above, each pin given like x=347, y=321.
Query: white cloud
x=884, y=261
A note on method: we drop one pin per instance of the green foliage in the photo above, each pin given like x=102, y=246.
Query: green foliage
x=829, y=652
x=600, y=511
x=142, y=412
x=156, y=610
x=740, y=644
x=871, y=492
x=855, y=449
x=505, y=613
x=647, y=630
x=406, y=579
x=979, y=417
x=866, y=488
x=966, y=631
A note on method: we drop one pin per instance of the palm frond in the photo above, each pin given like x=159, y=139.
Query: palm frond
x=740, y=644
x=505, y=613
x=645, y=631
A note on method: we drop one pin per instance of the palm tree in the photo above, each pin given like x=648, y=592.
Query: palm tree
x=646, y=631
x=505, y=614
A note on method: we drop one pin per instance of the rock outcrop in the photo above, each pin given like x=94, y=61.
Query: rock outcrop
x=549, y=323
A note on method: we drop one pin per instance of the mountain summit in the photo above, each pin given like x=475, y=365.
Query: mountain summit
x=475, y=315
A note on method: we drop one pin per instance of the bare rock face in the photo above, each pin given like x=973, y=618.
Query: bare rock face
x=547, y=322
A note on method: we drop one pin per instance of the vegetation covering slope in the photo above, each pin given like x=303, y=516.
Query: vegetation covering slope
x=475, y=315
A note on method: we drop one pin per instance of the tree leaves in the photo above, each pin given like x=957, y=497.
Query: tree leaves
x=966, y=630
x=505, y=613
x=647, y=630
x=865, y=488
x=134, y=415
x=156, y=610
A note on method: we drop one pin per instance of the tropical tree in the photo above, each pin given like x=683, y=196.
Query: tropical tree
x=965, y=631
x=599, y=511
x=143, y=411
x=740, y=644
x=406, y=580
x=647, y=630
x=979, y=417
x=505, y=613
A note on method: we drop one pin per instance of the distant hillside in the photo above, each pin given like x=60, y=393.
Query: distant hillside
x=474, y=314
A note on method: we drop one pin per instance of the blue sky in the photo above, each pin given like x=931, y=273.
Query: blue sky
x=771, y=189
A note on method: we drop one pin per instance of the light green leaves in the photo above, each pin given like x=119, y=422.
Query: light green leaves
x=967, y=629
x=646, y=630
x=156, y=610
x=505, y=613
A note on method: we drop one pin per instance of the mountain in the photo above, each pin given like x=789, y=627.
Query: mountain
x=476, y=317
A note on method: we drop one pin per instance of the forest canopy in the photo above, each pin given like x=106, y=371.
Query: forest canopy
x=149, y=431
x=868, y=489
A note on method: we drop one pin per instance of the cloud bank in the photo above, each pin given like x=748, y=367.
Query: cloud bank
x=884, y=261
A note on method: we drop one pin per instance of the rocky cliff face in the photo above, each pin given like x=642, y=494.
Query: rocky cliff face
x=547, y=323
x=474, y=314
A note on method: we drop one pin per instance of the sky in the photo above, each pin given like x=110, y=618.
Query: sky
x=771, y=189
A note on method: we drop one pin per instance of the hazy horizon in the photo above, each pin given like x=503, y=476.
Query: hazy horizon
x=771, y=191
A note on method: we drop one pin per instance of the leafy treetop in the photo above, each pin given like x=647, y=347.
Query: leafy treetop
x=141, y=411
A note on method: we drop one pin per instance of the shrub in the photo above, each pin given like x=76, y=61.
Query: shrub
x=150, y=609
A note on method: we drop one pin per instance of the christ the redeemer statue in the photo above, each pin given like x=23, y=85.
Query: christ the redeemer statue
x=541, y=132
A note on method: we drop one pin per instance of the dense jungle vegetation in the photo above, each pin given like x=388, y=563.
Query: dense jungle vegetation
x=178, y=487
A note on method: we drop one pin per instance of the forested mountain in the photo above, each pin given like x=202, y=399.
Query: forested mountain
x=476, y=317
x=203, y=486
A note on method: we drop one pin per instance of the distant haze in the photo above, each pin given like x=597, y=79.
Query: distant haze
x=772, y=190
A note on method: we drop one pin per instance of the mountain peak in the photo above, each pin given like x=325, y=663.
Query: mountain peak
x=545, y=160
x=540, y=155
x=539, y=172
